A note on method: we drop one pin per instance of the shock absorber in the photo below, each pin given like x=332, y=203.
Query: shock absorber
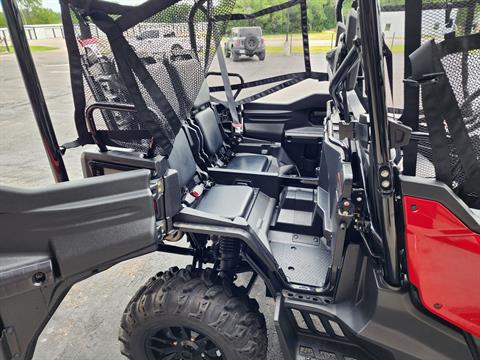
x=229, y=255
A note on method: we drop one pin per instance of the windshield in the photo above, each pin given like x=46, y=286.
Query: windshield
x=149, y=34
x=246, y=31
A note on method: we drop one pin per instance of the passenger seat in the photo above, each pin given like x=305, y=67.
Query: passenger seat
x=228, y=201
x=219, y=153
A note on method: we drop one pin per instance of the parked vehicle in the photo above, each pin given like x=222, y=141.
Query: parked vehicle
x=151, y=39
x=321, y=198
x=245, y=41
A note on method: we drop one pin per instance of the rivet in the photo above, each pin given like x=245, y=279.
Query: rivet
x=39, y=278
x=437, y=306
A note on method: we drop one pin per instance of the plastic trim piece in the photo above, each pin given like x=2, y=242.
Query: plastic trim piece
x=443, y=262
x=430, y=189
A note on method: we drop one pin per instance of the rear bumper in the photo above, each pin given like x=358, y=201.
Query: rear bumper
x=247, y=52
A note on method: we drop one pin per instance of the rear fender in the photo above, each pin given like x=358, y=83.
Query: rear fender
x=442, y=238
x=194, y=221
x=56, y=236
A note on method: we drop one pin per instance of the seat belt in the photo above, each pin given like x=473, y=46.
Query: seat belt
x=237, y=124
x=388, y=55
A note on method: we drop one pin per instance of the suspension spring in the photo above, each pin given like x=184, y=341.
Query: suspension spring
x=229, y=255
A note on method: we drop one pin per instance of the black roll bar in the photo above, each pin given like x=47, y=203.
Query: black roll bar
x=338, y=10
x=242, y=80
x=34, y=90
x=103, y=106
x=383, y=194
x=338, y=79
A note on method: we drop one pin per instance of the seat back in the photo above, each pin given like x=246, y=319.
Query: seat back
x=335, y=187
x=206, y=119
x=182, y=160
x=171, y=72
x=212, y=136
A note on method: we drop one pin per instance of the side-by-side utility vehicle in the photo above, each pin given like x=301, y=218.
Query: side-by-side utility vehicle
x=362, y=220
x=245, y=41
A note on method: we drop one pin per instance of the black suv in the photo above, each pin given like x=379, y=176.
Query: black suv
x=245, y=41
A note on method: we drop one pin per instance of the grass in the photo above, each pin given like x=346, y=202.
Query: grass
x=398, y=48
x=324, y=35
x=32, y=48
x=279, y=50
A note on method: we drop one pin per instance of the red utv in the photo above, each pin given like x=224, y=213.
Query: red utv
x=364, y=225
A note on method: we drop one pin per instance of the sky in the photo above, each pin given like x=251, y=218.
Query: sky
x=52, y=4
x=55, y=5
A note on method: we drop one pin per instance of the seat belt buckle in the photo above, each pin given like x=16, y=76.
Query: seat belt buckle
x=426, y=79
x=237, y=128
x=197, y=191
x=189, y=199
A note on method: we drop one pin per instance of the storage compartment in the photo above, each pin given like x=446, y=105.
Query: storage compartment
x=304, y=146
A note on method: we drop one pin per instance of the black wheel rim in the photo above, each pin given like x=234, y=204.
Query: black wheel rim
x=181, y=343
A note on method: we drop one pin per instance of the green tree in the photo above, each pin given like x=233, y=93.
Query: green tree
x=321, y=16
x=44, y=16
x=29, y=5
x=3, y=22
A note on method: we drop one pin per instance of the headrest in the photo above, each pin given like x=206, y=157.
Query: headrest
x=352, y=29
x=203, y=97
x=352, y=26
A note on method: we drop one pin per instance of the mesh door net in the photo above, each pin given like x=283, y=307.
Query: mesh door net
x=153, y=56
x=406, y=26
x=449, y=73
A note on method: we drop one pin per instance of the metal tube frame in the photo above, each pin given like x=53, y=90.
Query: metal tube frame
x=34, y=90
x=383, y=194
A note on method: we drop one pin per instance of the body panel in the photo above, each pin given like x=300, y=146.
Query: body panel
x=443, y=262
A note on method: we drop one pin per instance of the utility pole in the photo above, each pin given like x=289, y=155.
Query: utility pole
x=286, y=46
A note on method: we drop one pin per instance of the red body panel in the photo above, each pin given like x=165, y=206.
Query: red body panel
x=443, y=262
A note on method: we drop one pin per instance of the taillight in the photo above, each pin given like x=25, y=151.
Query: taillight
x=262, y=41
x=237, y=42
